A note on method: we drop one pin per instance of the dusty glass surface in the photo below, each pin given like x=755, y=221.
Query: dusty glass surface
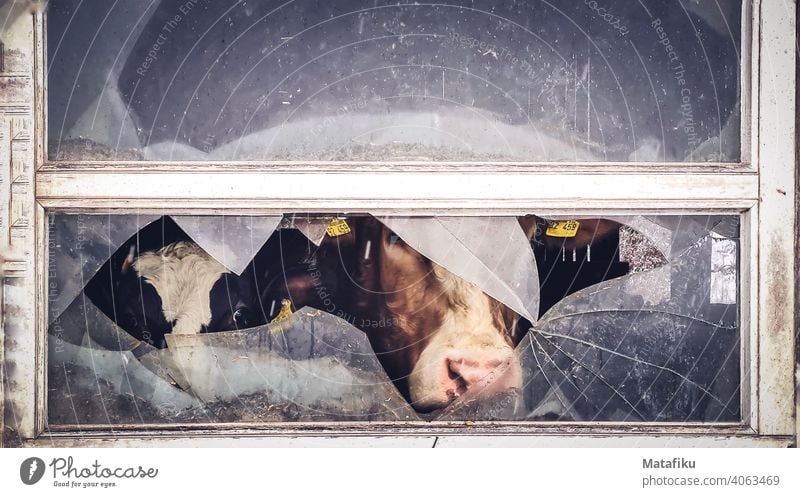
x=558, y=80
x=332, y=317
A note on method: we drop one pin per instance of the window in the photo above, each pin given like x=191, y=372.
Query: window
x=385, y=308
x=421, y=220
x=388, y=82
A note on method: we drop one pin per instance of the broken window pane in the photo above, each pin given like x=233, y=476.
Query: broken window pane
x=385, y=81
x=334, y=318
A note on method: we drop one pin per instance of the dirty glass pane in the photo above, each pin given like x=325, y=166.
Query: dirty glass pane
x=336, y=317
x=482, y=80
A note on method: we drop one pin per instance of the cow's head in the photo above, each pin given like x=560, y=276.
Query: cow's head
x=437, y=335
x=178, y=289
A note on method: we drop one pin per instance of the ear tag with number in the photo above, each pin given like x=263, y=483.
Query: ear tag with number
x=338, y=227
x=563, y=229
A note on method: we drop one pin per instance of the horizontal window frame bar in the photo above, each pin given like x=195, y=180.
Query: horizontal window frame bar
x=414, y=166
x=393, y=439
x=418, y=189
x=432, y=208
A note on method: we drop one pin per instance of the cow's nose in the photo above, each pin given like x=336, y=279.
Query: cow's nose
x=468, y=372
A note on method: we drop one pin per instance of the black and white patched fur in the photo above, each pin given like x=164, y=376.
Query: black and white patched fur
x=179, y=289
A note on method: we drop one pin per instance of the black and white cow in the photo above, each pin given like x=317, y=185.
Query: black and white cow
x=178, y=289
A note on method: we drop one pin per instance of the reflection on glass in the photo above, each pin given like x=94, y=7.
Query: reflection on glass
x=329, y=317
x=373, y=80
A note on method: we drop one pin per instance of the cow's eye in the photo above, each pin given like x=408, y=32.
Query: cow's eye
x=393, y=238
x=240, y=317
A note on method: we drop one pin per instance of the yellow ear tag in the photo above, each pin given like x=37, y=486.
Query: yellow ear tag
x=563, y=229
x=338, y=227
x=285, y=312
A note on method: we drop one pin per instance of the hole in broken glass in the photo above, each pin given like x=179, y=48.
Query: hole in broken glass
x=364, y=318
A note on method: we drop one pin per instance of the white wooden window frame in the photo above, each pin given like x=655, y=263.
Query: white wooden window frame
x=761, y=189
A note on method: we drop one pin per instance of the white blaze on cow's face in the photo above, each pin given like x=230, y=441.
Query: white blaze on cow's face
x=183, y=275
x=469, y=351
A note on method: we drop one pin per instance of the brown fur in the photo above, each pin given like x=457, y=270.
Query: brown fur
x=409, y=295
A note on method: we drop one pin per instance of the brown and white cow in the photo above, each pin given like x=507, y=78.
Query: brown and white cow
x=437, y=335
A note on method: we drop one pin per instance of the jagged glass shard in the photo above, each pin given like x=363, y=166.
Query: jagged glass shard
x=490, y=252
x=312, y=366
x=312, y=227
x=78, y=245
x=675, y=234
x=232, y=240
x=92, y=385
x=82, y=320
x=612, y=353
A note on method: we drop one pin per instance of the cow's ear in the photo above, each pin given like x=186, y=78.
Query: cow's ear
x=534, y=227
x=128, y=261
x=567, y=233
